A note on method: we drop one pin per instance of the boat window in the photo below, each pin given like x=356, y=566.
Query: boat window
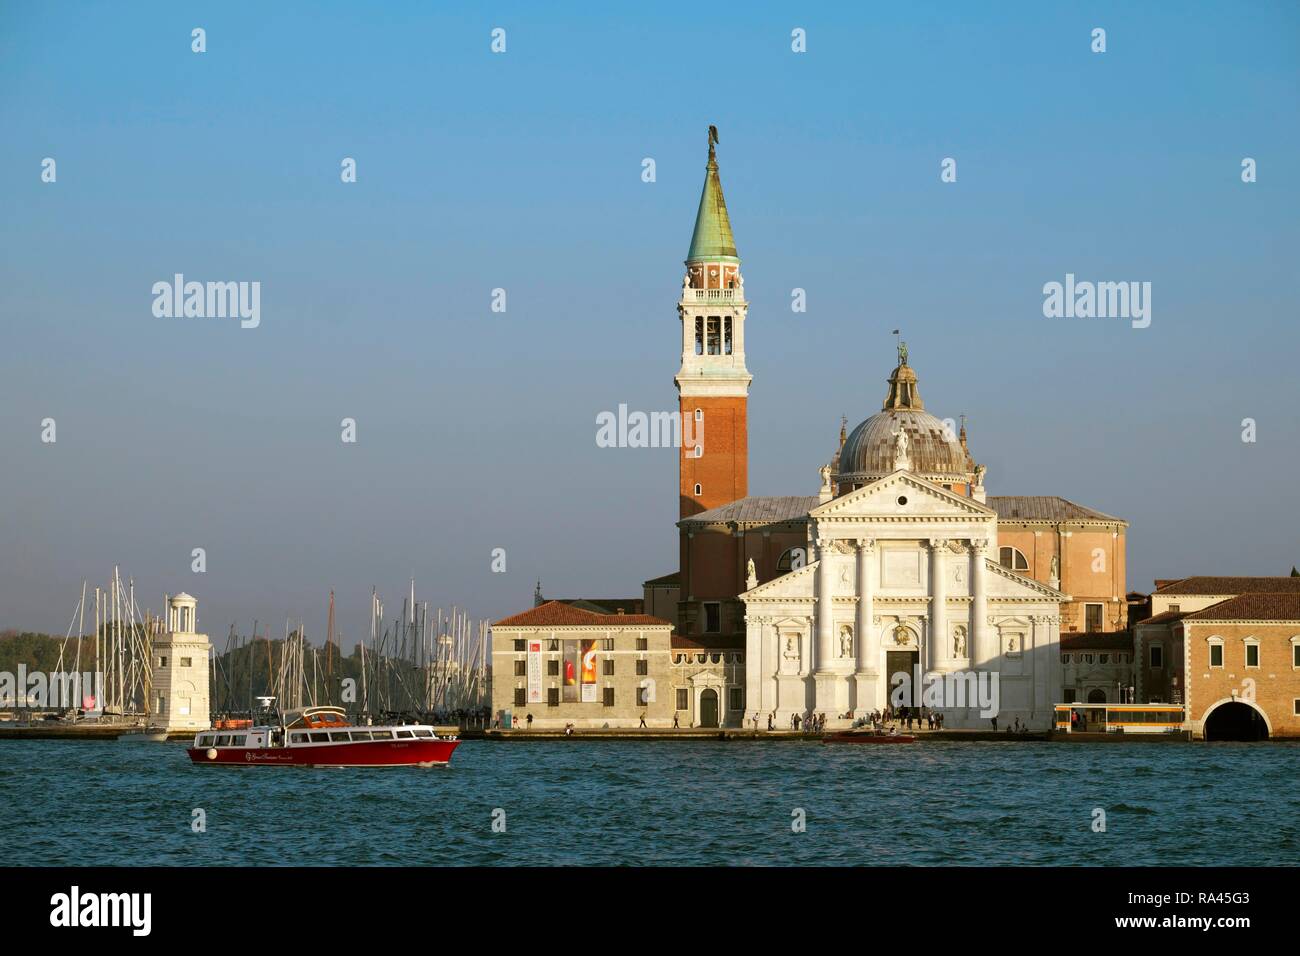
x=382, y=734
x=204, y=740
x=223, y=740
x=338, y=736
x=360, y=735
x=237, y=740
x=320, y=738
x=298, y=738
x=405, y=733
x=423, y=732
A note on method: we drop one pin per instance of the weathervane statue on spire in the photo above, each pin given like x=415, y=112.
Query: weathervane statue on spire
x=902, y=353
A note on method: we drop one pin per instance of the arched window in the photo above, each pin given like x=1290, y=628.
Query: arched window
x=1012, y=558
x=792, y=559
x=698, y=491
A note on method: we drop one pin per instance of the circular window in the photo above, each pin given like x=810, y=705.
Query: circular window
x=902, y=499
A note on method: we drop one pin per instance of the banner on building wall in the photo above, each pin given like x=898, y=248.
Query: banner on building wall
x=534, y=672
x=569, y=672
x=589, y=671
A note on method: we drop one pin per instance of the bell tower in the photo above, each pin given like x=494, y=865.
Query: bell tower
x=713, y=383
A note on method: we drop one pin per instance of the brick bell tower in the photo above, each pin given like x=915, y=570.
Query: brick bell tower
x=713, y=383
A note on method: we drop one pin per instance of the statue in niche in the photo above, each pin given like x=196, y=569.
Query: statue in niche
x=846, y=641
x=791, y=652
x=1011, y=645
x=959, y=642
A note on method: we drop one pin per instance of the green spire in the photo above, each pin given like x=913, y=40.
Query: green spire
x=712, y=238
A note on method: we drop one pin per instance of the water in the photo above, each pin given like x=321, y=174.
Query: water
x=582, y=802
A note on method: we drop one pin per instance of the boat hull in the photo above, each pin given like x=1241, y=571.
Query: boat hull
x=379, y=753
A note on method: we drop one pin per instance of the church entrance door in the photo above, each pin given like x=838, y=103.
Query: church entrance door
x=902, y=662
x=709, y=708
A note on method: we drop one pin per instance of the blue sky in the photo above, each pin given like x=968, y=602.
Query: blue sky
x=522, y=171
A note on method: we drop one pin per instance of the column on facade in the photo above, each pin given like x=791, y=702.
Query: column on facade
x=825, y=608
x=937, y=645
x=864, y=634
x=980, y=653
x=755, y=679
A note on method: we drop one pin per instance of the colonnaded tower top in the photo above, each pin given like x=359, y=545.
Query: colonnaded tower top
x=713, y=383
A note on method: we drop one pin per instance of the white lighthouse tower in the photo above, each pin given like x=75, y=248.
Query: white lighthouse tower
x=180, y=670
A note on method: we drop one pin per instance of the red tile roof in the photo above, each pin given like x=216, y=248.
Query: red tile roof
x=1165, y=617
x=559, y=614
x=1252, y=607
x=672, y=580
x=1232, y=585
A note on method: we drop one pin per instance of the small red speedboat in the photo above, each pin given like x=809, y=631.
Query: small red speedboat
x=868, y=737
x=322, y=737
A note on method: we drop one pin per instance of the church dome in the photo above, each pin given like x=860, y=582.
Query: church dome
x=930, y=449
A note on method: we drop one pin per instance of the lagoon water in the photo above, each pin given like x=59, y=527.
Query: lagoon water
x=663, y=802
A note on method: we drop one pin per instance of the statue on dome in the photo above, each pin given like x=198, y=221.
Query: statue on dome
x=901, y=459
x=902, y=353
x=980, y=472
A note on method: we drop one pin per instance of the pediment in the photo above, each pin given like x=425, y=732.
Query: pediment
x=925, y=499
x=798, y=583
x=1002, y=583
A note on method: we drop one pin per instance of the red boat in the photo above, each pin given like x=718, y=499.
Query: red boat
x=868, y=737
x=323, y=737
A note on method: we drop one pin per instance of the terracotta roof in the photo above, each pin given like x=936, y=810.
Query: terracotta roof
x=673, y=580
x=1164, y=618
x=1232, y=585
x=1252, y=607
x=634, y=605
x=559, y=614
x=1044, y=508
x=758, y=510
x=1165, y=582
x=1097, y=641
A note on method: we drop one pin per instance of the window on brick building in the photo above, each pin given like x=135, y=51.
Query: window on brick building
x=609, y=697
x=553, y=668
x=643, y=643
x=1093, y=617
x=712, y=617
x=521, y=645
x=1216, y=652
x=698, y=490
x=608, y=667
x=642, y=668
x=521, y=696
x=521, y=668
x=1252, y=654
x=1012, y=558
